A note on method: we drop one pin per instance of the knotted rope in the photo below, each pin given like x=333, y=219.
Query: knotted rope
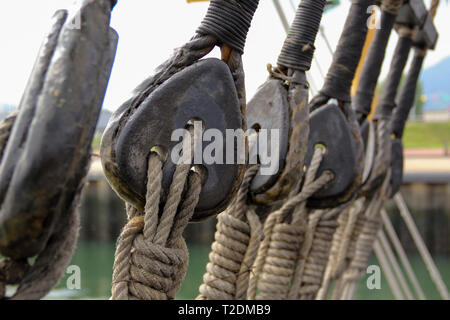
x=236, y=242
x=281, y=256
x=151, y=256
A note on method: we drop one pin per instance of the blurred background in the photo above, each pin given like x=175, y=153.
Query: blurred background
x=149, y=31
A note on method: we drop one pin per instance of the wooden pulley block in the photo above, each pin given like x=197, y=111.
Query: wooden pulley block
x=204, y=91
x=282, y=109
x=186, y=89
x=48, y=151
x=330, y=129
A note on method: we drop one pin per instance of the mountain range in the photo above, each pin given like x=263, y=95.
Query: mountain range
x=436, y=85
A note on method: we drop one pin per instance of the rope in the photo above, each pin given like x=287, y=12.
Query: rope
x=382, y=259
x=233, y=252
x=353, y=240
x=280, y=258
x=347, y=281
x=395, y=266
x=406, y=96
x=151, y=256
x=356, y=231
x=402, y=254
x=350, y=223
x=372, y=220
x=424, y=253
x=321, y=229
x=363, y=249
x=346, y=285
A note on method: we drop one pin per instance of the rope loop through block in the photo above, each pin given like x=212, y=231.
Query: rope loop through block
x=151, y=256
x=280, y=259
x=236, y=241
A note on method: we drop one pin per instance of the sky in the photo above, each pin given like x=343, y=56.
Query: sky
x=149, y=30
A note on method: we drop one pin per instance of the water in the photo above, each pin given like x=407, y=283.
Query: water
x=95, y=260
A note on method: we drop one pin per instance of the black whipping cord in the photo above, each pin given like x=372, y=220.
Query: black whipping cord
x=371, y=69
x=340, y=76
x=298, y=49
x=387, y=99
x=407, y=95
x=229, y=21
